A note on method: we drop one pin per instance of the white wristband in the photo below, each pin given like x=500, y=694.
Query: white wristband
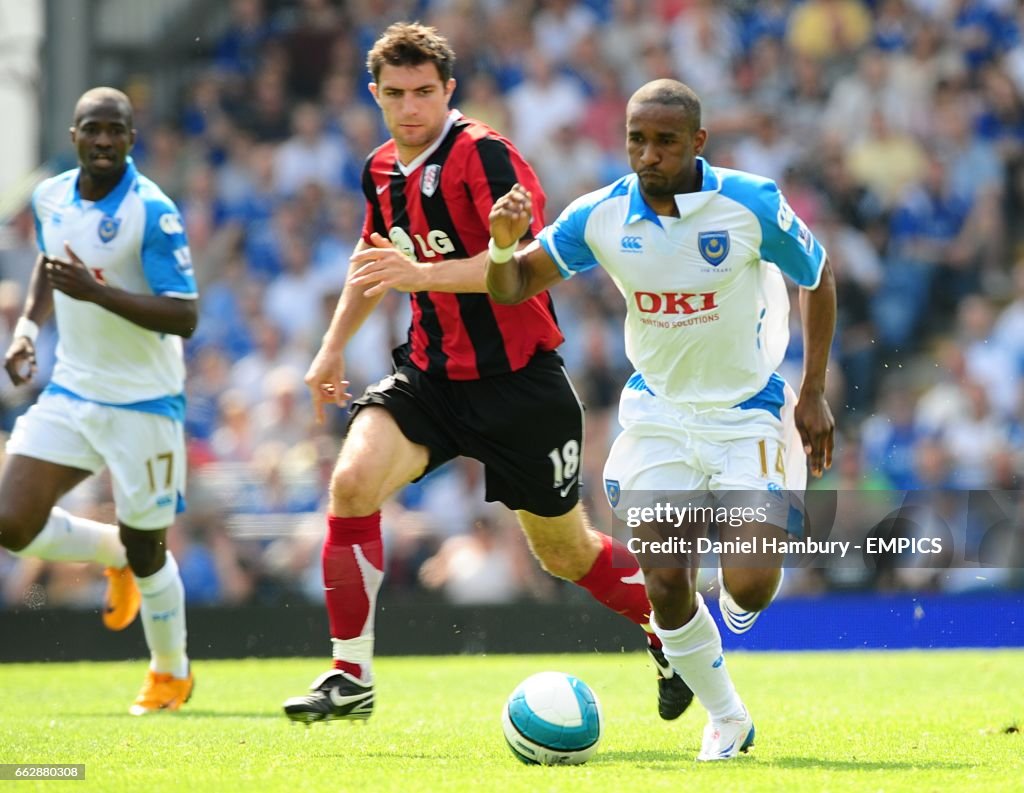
x=500, y=255
x=27, y=328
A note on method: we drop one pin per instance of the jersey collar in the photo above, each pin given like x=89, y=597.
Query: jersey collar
x=109, y=204
x=688, y=203
x=453, y=116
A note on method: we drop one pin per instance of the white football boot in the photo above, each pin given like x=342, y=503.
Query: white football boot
x=725, y=739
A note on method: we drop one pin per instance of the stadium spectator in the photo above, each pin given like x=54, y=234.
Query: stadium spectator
x=559, y=25
x=829, y=30
x=488, y=564
x=310, y=155
x=560, y=96
x=705, y=44
x=240, y=47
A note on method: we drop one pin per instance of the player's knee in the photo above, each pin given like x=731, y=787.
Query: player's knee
x=146, y=554
x=354, y=492
x=670, y=588
x=755, y=590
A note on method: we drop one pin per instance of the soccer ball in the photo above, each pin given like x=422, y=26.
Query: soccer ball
x=552, y=719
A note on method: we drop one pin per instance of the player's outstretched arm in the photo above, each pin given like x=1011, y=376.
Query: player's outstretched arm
x=813, y=416
x=516, y=275
x=20, y=358
x=159, y=313
x=382, y=266
x=325, y=377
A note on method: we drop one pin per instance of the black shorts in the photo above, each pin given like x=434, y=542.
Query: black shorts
x=526, y=427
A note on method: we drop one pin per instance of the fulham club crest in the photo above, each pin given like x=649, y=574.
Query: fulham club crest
x=430, y=180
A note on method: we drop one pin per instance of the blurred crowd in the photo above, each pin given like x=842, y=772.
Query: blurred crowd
x=895, y=128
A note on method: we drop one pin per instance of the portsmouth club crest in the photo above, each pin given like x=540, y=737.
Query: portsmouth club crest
x=108, y=228
x=611, y=487
x=713, y=246
x=430, y=180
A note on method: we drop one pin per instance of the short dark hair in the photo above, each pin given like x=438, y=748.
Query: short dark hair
x=670, y=92
x=411, y=44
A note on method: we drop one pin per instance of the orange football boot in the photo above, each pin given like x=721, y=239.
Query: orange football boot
x=162, y=691
x=122, y=601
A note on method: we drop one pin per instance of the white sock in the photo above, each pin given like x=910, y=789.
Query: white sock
x=69, y=538
x=695, y=651
x=163, y=619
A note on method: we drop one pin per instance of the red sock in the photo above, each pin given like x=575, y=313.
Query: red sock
x=353, y=564
x=616, y=581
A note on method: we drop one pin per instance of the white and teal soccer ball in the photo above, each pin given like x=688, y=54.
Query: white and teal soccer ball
x=552, y=719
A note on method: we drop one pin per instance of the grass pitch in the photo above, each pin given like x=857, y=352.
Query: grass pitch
x=856, y=721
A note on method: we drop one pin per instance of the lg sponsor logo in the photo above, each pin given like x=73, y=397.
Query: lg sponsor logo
x=674, y=302
x=436, y=243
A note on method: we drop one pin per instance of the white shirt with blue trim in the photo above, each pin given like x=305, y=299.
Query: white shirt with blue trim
x=132, y=239
x=706, y=306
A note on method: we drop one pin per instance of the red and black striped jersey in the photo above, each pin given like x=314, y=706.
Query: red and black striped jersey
x=437, y=208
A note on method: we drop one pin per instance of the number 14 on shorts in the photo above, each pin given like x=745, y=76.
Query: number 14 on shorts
x=780, y=465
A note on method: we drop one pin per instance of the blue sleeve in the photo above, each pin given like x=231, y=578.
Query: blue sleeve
x=38, y=223
x=785, y=239
x=565, y=239
x=166, y=259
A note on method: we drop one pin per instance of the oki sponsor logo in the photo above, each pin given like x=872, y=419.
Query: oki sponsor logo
x=674, y=302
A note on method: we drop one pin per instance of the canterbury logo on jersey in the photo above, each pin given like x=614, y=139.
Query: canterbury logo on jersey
x=674, y=302
x=632, y=244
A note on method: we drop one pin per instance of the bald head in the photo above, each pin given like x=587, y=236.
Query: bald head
x=669, y=93
x=109, y=99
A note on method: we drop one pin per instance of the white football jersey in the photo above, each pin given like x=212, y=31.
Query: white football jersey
x=706, y=306
x=132, y=239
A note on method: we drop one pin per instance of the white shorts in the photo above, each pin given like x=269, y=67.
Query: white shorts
x=144, y=452
x=665, y=448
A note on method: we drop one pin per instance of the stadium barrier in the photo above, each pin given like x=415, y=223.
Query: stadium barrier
x=421, y=626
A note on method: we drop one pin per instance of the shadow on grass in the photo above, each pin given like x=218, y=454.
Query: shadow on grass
x=665, y=759
x=182, y=714
x=867, y=764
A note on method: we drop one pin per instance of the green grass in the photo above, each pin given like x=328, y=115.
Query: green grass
x=886, y=721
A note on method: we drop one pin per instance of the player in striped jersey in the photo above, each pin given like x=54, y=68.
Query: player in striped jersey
x=475, y=378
